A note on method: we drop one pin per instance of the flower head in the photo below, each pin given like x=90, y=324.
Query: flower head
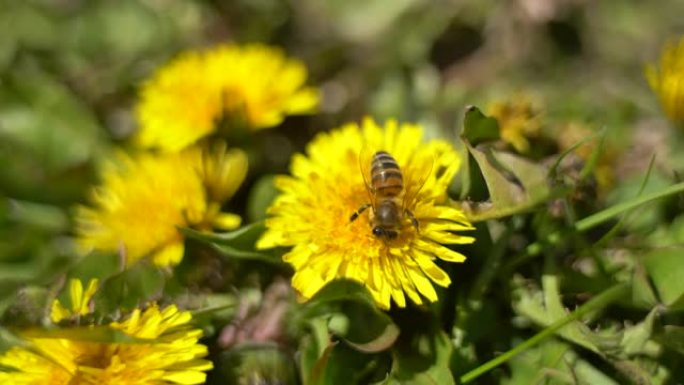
x=312, y=214
x=171, y=356
x=252, y=85
x=667, y=80
x=80, y=301
x=518, y=120
x=143, y=199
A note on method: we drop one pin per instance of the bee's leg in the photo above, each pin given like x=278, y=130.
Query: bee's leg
x=413, y=219
x=358, y=212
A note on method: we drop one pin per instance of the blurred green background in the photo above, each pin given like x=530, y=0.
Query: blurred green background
x=70, y=71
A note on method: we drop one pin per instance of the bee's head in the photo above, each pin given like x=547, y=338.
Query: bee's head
x=387, y=234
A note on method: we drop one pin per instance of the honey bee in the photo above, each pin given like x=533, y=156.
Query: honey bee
x=389, y=199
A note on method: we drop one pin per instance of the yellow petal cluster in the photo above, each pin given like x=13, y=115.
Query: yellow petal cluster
x=666, y=79
x=518, y=121
x=144, y=198
x=80, y=301
x=312, y=214
x=171, y=356
x=252, y=85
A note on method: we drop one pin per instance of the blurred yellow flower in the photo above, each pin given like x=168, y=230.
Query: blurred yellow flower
x=252, y=85
x=80, y=301
x=172, y=355
x=518, y=121
x=574, y=132
x=667, y=80
x=143, y=200
x=312, y=214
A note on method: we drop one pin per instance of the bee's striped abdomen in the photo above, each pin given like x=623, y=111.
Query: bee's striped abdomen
x=386, y=178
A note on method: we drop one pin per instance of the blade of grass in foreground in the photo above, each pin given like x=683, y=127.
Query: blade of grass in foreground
x=618, y=226
x=592, y=221
x=602, y=300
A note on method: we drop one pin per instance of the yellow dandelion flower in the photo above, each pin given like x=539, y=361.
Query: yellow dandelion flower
x=312, y=214
x=260, y=84
x=172, y=355
x=80, y=301
x=518, y=121
x=144, y=198
x=252, y=85
x=667, y=80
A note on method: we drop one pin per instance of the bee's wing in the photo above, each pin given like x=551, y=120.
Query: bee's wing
x=416, y=173
x=365, y=160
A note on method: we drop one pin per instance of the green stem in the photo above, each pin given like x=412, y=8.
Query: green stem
x=493, y=263
x=610, y=295
x=613, y=211
x=593, y=220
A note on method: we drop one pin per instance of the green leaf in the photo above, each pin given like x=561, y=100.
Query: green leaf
x=315, y=349
x=378, y=342
x=505, y=188
x=353, y=316
x=666, y=269
x=672, y=336
x=643, y=294
x=617, y=227
x=269, y=256
x=544, y=308
x=363, y=327
x=554, y=362
x=126, y=290
x=636, y=187
x=602, y=216
x=238, y=244
x=423, y=359
x=47, y=217
x=600, y=301
x=260, y=198
x=327, y=362
x=239, y=236
x=478, y=128
x=317, y=374
x=643, y=371
x=514, y=184
x=636, y=338
x=339, y=290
